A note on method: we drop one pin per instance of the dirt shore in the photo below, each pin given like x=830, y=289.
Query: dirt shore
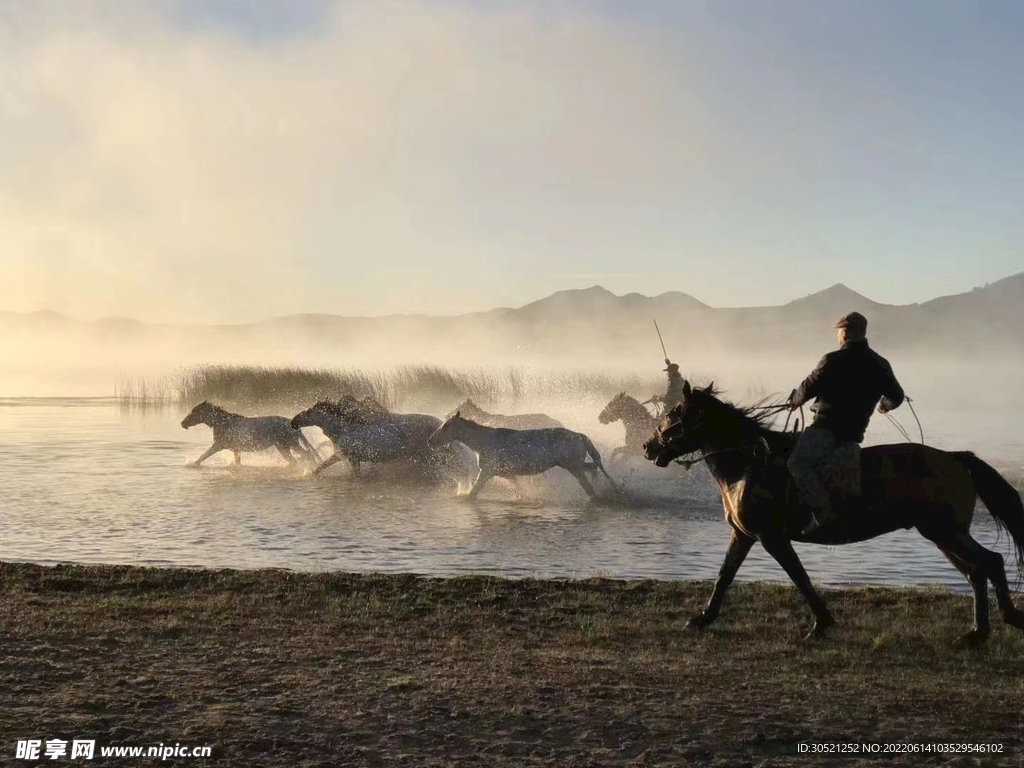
x=275, y=668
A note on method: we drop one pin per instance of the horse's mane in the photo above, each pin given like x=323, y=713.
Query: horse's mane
x=337, y=408
x=367, y=410
x=351, y=409
x=632, y=402
x=216, y=408
x=757, y=418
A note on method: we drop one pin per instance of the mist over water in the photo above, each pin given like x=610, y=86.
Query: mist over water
x=86, y=481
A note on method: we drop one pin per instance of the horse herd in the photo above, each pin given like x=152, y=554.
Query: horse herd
x=905, y=485
x=470, y=445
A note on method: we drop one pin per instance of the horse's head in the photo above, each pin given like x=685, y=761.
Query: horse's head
x=448, y=431
x=682, y=430
x=612, y=411
x=312, y=416
x=200, y=414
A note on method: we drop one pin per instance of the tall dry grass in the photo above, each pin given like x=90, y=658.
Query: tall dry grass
x=138, y=392
x=435, y=388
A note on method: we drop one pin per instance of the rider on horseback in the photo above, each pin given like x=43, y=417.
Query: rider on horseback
x=674, y=394
x=847, y=384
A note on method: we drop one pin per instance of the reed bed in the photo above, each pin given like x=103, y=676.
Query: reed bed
x=140, y=393
x=423, y=386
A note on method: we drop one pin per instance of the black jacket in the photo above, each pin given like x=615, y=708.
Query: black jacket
x=674, y=393
x=848, y=383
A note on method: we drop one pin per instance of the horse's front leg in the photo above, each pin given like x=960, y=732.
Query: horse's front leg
x=286, y=453
x=481, y=477
x=739, y=547
x=782, y=550
x=215, y=448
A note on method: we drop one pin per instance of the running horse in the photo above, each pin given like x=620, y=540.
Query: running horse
x=513, y=453
x=906, y=485
x=475, y=413
x=363, y=431
x=637, y=420
x=236, y=433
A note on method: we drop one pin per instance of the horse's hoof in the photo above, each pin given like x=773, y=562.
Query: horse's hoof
x=821, y=628
x=972, y=639
x=1015, y=618
x=699, y=622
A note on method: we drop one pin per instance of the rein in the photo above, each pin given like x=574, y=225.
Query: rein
x=896, y=423
x=687, y=463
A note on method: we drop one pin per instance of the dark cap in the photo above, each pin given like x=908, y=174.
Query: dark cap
x=855, y=321
x=672, y=368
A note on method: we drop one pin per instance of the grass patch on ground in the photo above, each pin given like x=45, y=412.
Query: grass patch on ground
x=280, y=668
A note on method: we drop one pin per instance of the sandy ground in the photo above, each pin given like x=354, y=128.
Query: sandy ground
x=280, y=669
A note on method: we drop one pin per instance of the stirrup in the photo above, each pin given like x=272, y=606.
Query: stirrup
x=811, y=527
x=817, y=522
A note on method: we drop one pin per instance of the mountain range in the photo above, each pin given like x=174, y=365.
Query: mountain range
x=984, y=322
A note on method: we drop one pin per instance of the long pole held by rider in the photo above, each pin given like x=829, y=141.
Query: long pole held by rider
x=656, y=399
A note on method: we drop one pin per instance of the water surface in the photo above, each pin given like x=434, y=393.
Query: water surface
x=86, y=482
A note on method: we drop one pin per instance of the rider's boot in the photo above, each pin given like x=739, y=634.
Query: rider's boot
x=819, y=517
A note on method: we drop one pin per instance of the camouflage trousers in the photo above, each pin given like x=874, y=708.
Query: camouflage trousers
x=816, y=454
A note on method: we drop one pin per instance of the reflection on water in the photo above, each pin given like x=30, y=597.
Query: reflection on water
x=84, y=482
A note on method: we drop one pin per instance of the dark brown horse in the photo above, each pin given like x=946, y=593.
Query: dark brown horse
x=903, y=486
x=637, y=420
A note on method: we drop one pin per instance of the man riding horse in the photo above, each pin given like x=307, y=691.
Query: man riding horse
x=847, y=384
x=674, y=394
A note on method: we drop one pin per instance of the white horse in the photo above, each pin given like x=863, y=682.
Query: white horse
x=475, y=413
x=511, y=453
x=236, y=433
x=364, y=432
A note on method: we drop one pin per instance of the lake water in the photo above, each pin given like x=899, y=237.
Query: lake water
x=86, y=482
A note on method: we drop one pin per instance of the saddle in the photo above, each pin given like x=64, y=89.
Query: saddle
x=840, y=473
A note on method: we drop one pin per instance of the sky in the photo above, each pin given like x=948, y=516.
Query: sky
x=228, y=161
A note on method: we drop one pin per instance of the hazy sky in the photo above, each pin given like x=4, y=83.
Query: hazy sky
x=204, y=160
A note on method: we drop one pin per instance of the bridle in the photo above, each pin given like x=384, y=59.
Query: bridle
x=687, y=463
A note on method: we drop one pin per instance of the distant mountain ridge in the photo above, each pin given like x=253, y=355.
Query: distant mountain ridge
x=985, y=320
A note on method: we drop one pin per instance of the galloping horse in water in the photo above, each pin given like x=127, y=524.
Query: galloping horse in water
x=511, y=453
x=637, y=420
x=364, y=431
x=475, y=413
x=904, y=486
x=236, y=433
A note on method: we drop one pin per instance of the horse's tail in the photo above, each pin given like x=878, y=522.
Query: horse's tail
x=596, y=456
x=1002, y=500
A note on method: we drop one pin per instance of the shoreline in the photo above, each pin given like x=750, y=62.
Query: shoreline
x=277, y=667
x=957, y=586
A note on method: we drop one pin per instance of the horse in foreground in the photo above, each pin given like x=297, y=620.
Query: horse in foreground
x=512, y=453
x=475, y=413
x=637, y=420
x=906, y=485
x=236, y=433
x=364, y=432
